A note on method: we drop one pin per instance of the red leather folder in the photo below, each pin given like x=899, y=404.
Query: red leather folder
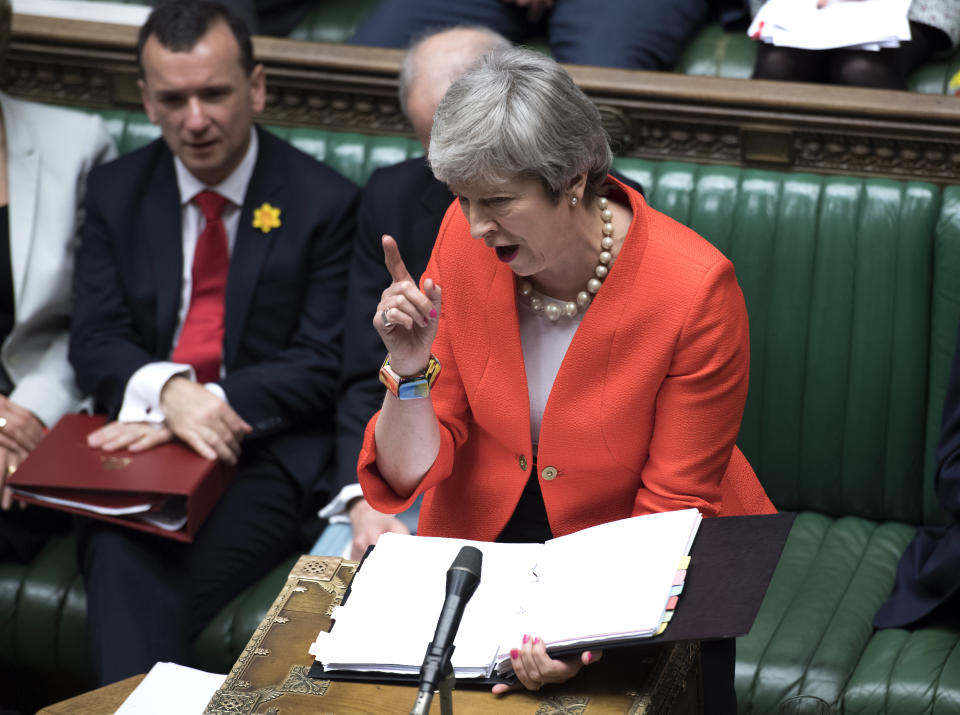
x=168, y=476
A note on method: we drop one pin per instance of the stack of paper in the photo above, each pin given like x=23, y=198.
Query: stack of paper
x=610, y=583
x=863, y=25
x=113, y=12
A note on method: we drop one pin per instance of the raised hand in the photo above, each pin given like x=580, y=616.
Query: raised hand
x=406, y=318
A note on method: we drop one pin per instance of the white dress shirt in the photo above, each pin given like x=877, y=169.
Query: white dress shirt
x=141, y=398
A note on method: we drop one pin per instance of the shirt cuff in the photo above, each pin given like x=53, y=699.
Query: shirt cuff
x=215, y=388
x=336, y=511
x=141, y=398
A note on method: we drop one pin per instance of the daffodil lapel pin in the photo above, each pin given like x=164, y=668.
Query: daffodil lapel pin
x=266, y=218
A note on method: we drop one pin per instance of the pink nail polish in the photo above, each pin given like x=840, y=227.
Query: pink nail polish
x=526, y=638
x=514, y=653
x=536, y=640
x=589, y=657
x=433, y=312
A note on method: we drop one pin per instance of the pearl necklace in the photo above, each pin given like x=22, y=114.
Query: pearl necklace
x=552, y=308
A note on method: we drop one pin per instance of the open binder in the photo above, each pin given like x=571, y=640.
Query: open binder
x=168, y=490
x=731, y=563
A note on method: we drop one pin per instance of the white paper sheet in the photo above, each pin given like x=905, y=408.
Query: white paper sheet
x=860, y=24
x=112, y=12
x=171, y=688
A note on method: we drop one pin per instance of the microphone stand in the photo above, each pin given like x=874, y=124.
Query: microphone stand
x=424, y=698
x=446, y=693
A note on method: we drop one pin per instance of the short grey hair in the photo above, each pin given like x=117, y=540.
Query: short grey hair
x=408, y=69
x=518, y=113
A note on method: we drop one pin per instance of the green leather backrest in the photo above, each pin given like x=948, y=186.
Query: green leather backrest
x=715, y=53
x=847, y=316
x=332, y=21
x=853, y=301
x=353, y=155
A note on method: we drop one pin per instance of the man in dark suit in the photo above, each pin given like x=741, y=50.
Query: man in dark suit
x=405, y=201
x=927, y=587
x=209, y=297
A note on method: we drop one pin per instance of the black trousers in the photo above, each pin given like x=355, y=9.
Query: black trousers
x=148, y=597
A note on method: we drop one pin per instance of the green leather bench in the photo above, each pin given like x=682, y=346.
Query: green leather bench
x=712, y=52
x=852, y=290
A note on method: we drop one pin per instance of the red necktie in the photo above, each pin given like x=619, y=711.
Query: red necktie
x=201, y=338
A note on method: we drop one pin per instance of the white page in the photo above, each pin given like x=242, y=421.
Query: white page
x=112, y=12
x=95, y=508
x=171, y=688
x=406, y=575
x=629, y=565
x=800, y=24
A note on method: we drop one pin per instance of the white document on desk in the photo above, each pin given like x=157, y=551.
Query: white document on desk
x=607, y=583
x=866, y=24
x=171, y=688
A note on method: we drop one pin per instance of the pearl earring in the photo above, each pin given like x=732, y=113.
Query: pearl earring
x=574, y=200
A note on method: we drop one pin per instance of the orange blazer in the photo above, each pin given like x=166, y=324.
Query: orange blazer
x=644, y=411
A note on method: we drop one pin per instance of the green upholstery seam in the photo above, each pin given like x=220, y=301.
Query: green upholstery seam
x=786, y=609
x=17, y=611
x=766, y=343
x=891, y=363
x=840, y=601
x=936, y=682
x=807, y=341
x=851, y=334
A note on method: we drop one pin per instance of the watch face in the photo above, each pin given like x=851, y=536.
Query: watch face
x=414, y=389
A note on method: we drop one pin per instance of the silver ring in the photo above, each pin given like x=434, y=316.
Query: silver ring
x=383, y=316
x=3, y=423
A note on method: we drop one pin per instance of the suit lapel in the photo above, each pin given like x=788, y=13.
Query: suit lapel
x=163, y=235
x=23, y=180
x=435, y=198
x=506, y=350
x=251, y=246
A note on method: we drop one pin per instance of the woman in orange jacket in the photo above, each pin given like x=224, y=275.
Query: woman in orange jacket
x=588, y=359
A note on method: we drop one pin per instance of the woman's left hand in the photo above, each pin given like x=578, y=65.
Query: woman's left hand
x=534, y=668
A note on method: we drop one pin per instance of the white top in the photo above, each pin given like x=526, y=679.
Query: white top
x=141, y=398
x=544, y=345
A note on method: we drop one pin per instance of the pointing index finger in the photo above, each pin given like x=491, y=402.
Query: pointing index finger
x=393, y=261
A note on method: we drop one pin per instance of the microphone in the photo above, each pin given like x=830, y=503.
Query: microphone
x=463, y=577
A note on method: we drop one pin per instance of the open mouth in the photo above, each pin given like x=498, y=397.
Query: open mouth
x=507, y=253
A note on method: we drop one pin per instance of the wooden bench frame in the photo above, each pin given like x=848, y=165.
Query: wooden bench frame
x=653, y=115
